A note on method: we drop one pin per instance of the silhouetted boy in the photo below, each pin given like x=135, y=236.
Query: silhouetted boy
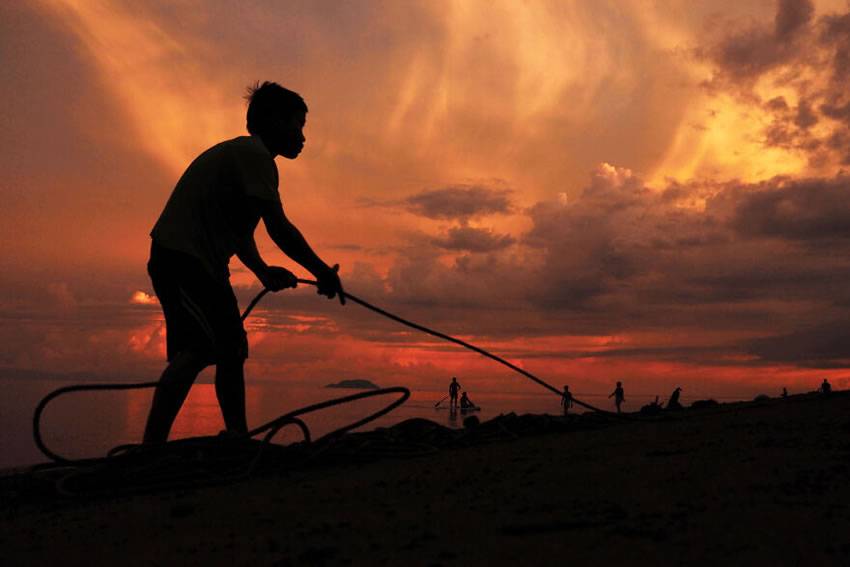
x=454, y=388
x=826, y=388
x=210, y=216
x=619, y=395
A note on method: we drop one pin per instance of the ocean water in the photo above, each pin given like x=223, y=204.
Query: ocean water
x=90, y=423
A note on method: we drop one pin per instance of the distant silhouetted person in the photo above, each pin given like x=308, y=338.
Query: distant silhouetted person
x=619, y=396
x=454, y=388
x=566, y=400
x=465, y=402
x=784, y=392
x=673, y=402
x=825, y=388
x=211, y=216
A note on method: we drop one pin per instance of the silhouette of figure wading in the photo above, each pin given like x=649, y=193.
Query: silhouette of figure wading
x=211, y=216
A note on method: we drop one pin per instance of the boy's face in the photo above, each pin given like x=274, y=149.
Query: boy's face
x=286, y=135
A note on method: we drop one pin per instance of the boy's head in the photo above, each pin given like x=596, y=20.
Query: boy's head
x=277, y=116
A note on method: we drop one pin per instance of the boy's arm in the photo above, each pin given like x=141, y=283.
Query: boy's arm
x=290, y=240
x=273, y=277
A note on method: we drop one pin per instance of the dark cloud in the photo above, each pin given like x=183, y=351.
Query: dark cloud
x=808, y=55
x=473, y=240
x=460, y=202
x=749, y=261
x=792, y=16
x=813, y=210
x=820, y=346
x=746, y=54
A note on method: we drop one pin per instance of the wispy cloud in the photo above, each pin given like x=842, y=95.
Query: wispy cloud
x=150, y=68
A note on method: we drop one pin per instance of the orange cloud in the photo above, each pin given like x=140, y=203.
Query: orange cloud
x=142, y=298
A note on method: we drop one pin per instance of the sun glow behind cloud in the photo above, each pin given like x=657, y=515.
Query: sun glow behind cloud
x=701, y=149
x=150, y=71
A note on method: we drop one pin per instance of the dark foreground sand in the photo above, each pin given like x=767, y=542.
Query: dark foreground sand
x=750, y=483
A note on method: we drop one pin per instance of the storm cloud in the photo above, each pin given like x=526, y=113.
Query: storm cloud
x=462, y=202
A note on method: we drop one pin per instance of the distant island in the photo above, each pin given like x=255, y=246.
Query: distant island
x=354, y=385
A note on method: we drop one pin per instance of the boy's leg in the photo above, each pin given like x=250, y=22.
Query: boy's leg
x=170, y=393
x=230, y=391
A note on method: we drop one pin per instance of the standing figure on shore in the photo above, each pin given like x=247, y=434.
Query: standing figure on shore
x=826, y=387
x=619, y=396
x=566, y=399
x=673, y=402
x=784, y=392
x=454, y=388
x=210, y=217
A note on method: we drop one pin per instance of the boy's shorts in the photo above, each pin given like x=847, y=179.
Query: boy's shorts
x=201, y=313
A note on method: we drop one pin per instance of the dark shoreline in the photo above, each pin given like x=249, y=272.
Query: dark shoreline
x=764, y=482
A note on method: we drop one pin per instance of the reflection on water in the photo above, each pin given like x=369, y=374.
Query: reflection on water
x=88, y=424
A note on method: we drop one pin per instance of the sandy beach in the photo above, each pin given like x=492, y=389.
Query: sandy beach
x=762, y=483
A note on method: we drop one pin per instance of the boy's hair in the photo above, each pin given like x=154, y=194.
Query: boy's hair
x=269, y=101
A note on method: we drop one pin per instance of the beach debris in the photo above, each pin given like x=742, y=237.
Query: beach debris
x=652, y=408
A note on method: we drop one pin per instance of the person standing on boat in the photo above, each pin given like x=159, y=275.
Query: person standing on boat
x=566, y=400
x=210, y=217
x=454, y=388
x=619, y=396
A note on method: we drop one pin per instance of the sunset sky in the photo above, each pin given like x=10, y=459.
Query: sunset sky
x=645, y=191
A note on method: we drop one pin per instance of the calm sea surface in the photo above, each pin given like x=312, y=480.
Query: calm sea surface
x=88, y=424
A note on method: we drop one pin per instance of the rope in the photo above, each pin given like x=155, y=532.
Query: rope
x=271, y=428
x=443, y=336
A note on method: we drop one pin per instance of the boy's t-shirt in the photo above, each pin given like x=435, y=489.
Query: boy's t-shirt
x=209, y=210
